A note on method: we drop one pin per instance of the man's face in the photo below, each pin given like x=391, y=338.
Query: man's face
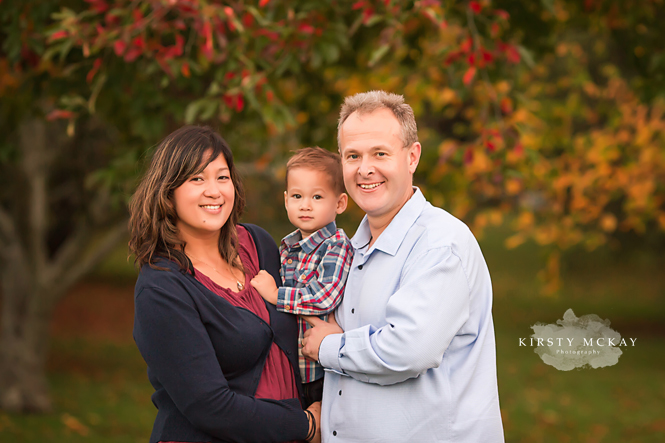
x=378, y=170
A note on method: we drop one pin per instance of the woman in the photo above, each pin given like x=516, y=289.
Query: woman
x=222, y=361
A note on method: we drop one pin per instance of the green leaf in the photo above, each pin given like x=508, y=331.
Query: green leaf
x=378, y=55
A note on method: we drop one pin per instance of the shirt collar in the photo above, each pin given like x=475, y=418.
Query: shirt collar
x=313, y=241
x=391, y=238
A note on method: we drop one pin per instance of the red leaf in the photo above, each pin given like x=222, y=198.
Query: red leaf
x=468, y=156
x=270, y=96
x=139, y=43
x=262, y=3
x=494, y=29
x=469, y=74
x=357, y=5
x=506, y=105
x=471, y=59
x=272, y=35
x=228, y=101
x=229, y=76
x=185, y=70
x=247, y=20
x=490, y=146
x=512, y=55
x=367, y=15
x=466, y=45
x=119, y=47
x=229, y=11
x=99, y=6
x=132, y=54
x=207, y=33
x=519, y=149
x=487, y=56
x=95, y=68
x=453, y=56
x=179, y=45
x=59, y=113
x=240, y=102
x=111, y=19
x=58, y=35
x=138, y=16
x=501, y=13
x=305, y=28
x=476, y=7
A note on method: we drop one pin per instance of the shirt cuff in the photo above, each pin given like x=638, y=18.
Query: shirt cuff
x=284, y=300
x=329, y=352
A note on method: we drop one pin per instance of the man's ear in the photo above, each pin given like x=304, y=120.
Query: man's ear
x=414, y=156
x=342, y=202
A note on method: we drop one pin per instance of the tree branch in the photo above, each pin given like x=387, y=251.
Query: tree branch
x=91, y=259
x=35, y=161
x=73, y=247
x=7, y=229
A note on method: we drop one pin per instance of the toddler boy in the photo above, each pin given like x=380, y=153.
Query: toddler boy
x=317, y=256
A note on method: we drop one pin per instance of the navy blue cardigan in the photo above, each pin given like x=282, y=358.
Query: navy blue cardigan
x=205, y=357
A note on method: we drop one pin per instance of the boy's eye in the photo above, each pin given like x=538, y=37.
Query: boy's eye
x=317, y=197
x=196, y=179
x=296, y=196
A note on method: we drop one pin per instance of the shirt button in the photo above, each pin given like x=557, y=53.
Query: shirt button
x=302, y=277
x=360, y=267
x=289, y=261
x=353, y=310
x=287, y=307
x=334, y=432
x=340, y=392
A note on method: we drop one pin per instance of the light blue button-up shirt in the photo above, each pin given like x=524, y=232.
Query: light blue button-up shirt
x=417, y=360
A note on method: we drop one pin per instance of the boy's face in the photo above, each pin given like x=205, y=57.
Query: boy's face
x=310, y=201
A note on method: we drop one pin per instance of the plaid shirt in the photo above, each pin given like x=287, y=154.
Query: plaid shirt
x=314, y=273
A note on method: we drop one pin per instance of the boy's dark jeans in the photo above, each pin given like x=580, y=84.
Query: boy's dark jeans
x=313, y=391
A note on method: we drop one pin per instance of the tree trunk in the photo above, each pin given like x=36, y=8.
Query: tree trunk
x=34, y=279
x=23, y=341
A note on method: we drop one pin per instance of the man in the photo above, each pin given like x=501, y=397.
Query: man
x=416, y=361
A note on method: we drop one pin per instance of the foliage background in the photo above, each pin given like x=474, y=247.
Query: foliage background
x=542, y=126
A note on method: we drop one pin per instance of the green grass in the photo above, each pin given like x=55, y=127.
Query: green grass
x=101, y=393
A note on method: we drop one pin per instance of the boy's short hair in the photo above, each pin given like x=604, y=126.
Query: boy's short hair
x=320, y=160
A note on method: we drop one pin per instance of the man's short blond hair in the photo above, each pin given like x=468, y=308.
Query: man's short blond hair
x=368, y=102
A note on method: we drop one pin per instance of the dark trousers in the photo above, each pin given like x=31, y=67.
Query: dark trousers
x=313, y=391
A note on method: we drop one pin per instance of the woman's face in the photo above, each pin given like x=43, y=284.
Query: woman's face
x=205, y=201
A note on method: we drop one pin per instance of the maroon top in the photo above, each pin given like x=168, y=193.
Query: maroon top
x=277, y=380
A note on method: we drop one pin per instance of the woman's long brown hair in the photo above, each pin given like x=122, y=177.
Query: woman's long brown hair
x=152, y=224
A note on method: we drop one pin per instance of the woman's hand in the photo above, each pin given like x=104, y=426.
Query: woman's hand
x=315, y=409
x=265, y=285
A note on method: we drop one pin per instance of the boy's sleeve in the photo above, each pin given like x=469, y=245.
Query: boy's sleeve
x=323, y=293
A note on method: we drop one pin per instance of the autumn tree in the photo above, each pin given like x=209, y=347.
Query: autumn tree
x=87, y=86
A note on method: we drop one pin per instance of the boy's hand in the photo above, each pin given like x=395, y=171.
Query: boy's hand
x=265, y=285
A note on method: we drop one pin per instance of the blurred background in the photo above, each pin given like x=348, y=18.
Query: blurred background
x=542, y=125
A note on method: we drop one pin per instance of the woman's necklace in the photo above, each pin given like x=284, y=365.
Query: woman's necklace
x=238, y=284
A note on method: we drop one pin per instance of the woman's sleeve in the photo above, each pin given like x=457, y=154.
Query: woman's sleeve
x=176, y=346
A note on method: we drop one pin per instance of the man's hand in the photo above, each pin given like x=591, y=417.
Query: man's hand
x=315, y=409
x=265, y=285
x=319, y=330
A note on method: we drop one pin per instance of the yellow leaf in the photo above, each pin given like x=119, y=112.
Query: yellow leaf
x=608, y=222
x=514, y=241
x=74, y=424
